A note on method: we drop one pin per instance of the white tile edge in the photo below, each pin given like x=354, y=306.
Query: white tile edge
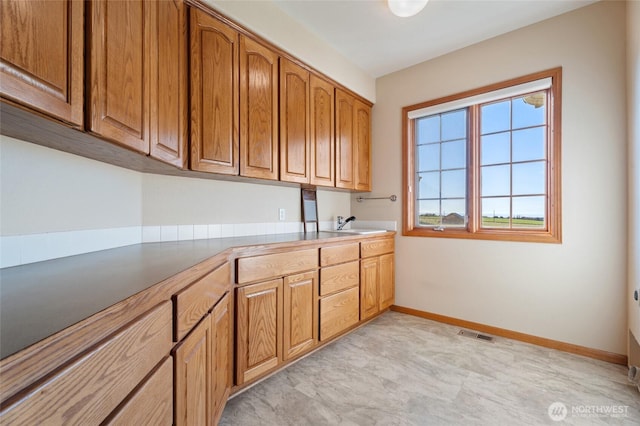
x=18, y=250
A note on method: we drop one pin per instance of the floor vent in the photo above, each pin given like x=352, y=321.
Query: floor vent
x=474, y=335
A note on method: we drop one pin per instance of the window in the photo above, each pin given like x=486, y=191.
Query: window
x=485, y=164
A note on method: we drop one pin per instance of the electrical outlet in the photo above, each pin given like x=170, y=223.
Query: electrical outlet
x=282, y=215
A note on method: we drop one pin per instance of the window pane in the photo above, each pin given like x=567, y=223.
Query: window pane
x=429, y=157
x=495, y=117
x=454, y=212
x=495, y=148
x=529, y=178
x=429, y=185
x=529, y=212
x=429, y=213
x=495, y=212
x=529, y=110
x=453, y=184
x=529, y=144
x=495, y=180
x=454, y=154
x=454, y=125
x=428, y=129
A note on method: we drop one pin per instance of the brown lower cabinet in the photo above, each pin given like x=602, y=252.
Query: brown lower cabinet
x=276, y=320
x=90, y=389
x=376, y=277
x=202, y=369
x=171, y=361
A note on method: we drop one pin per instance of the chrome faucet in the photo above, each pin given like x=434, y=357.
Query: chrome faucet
x=342, y=221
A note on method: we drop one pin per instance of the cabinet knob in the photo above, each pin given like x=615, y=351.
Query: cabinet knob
x=635, y=295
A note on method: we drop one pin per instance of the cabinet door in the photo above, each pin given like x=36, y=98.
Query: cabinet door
x=42, y=56
x=339, y=312
x=258, y=110
x=345, y=149
x=152, y=403
x=222, y=352
x=300, y=313
x=369, y=278
x=321, y=134
x=294, y=122
x=387, y=281
x=120, y=65
x=258, y=329
x=214, y=95
x=90, y=387
x=362, y=142
x=168, y=135
x=193, y=376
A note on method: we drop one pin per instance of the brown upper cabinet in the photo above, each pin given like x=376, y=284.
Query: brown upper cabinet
x=362, y=138
x=294, y=122
x=120, y=68
x=169, y=82
x=214, y=95
x=258, y=110
x=138, y=76
x=322, y=129
x=41, y=47
x=353, y=142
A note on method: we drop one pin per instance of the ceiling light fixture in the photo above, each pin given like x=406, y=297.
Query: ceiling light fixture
x=406, y=8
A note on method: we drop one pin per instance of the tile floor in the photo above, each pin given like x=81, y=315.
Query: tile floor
x=404, y=370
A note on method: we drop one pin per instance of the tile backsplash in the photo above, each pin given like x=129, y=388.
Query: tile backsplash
x=22, y=249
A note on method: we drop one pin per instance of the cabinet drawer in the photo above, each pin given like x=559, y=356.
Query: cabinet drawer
x=152, y=404
x=339, y=277
x=89, y=389
x=339, y=312
x=377, y=247
x=275, y=265
x=195, y=301
x=339, y=254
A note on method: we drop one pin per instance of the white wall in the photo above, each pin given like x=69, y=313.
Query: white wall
x=571, y=292
x=268, y=21
x=633, y=103
x=43, y=190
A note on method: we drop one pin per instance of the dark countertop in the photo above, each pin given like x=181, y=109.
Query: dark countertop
x=40, y=299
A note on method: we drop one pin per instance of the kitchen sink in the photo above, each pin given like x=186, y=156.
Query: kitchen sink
x=361, y=231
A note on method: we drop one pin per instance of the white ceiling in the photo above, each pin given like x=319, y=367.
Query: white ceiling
x=366, y=32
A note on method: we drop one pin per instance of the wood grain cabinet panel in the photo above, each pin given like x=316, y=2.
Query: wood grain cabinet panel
x=214, y=95
x=337, y=254
x=168, y=79
x=339, y=277
x=369, y=279
x=152, y=404
x=194, y=301
x=222, y=352
x=353, y=142
x=258, y=329
x=93, y=385
x=258, y=110
x=338, y=313
x=322, y=132
x=294, y=122
x=345, y=147
x=275, y=265
x=120, y=64
x=193, y=376
x=387, y=281
x=41, y=50
x=362, y=138
x=300, y=314
x=203, y=368
x=377, y=247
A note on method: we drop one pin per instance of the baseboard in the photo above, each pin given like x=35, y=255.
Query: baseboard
x=527, y=338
